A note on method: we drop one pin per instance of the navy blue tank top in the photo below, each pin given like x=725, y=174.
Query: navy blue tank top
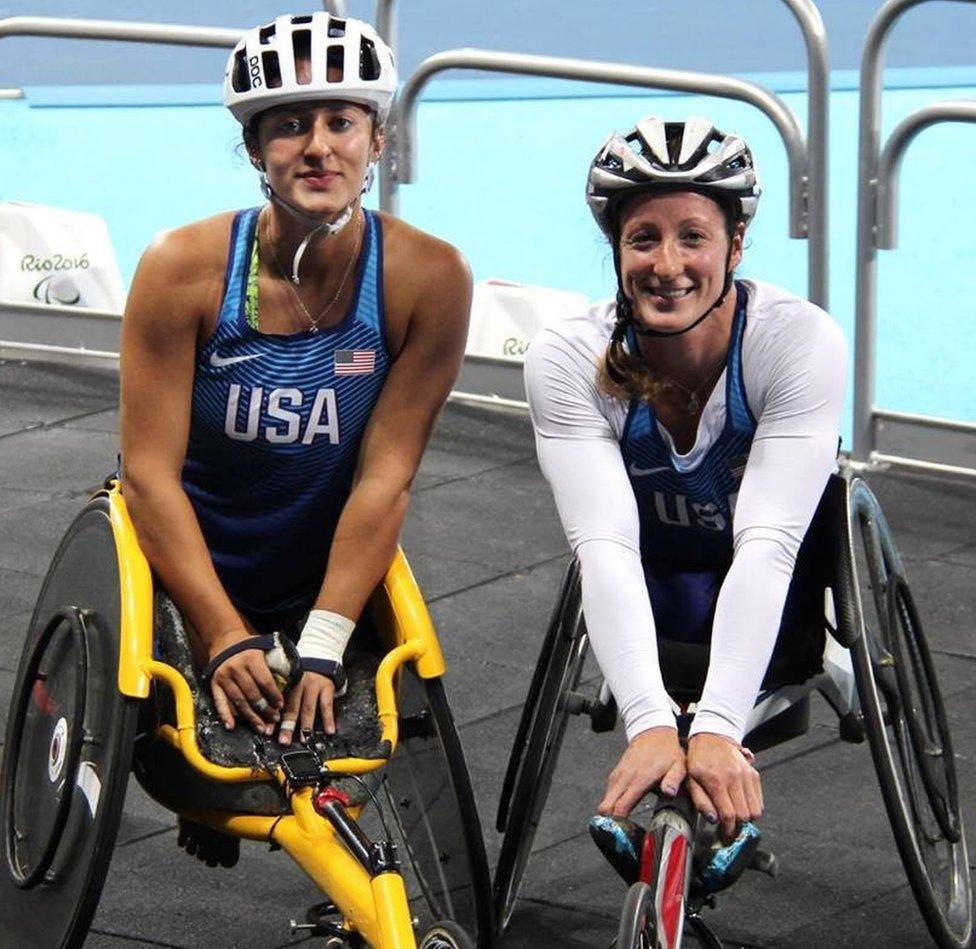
x=275, y=431
x=686, y=516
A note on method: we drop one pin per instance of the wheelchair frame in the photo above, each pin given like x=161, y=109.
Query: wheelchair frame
x=362, y=880
x=877, y=676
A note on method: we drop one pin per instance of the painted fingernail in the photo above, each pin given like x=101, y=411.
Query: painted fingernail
x=667, y=789
x=711, y=818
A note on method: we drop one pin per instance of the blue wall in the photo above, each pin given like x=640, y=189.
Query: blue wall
x=501, y=170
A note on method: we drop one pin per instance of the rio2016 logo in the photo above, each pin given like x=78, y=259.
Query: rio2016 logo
x=57, y=289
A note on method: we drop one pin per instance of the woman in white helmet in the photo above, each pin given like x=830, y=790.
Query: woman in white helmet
x=282, y=368
x=688, y=428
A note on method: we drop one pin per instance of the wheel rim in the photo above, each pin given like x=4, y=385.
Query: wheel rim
x=907, y=729
x=534, y=784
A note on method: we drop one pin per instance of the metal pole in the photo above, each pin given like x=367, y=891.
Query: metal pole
x=335, y=7
x=123, y=30
x=889, y=163
x=561, y=68
x=818, y=92
x=386, y=26
x=869, y=123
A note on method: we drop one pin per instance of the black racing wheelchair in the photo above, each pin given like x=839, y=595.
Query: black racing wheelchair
x=106, y=686
x=865, y=652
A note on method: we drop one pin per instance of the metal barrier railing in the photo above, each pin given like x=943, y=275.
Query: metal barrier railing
x=876, y=229
x=810, y=189
x=58, y=331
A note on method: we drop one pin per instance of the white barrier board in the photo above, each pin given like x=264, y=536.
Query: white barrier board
x=57, y=257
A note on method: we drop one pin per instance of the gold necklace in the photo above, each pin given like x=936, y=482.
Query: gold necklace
x=313, y=322
x=695, y=404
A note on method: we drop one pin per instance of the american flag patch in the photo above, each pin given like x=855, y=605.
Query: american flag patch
x=354, y=362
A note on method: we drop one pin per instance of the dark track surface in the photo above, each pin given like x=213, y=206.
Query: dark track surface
x=483, y=539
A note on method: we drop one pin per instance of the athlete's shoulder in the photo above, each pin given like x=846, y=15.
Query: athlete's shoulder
x=192, y=249
x=412, y=254
x=778, y=314
x=584, y=332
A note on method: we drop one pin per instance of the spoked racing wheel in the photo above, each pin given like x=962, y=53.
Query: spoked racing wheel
x=427, y=786
x=905, y=721
x=550, y=701
x=68, y=747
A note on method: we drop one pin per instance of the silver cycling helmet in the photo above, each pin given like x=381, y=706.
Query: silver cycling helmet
x=692, y=154
x=348, y=61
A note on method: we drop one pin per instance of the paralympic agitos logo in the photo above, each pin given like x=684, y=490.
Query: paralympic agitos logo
x=56, y=287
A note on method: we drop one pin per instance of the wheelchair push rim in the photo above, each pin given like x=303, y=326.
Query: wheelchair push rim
x=906, y=726
x=533, y=761
x=68, y=747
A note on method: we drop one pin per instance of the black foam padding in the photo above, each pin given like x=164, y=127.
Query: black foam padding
x=170, y=779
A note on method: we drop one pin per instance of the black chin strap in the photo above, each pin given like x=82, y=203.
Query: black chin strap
x=642, y=331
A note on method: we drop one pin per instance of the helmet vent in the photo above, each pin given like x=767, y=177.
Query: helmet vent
x=335, y=64
x=240, y=81
x=266, y=33
x=272, y=70
x=299, y=20
x=369, y=62
x=301, y=44
x=337, y=28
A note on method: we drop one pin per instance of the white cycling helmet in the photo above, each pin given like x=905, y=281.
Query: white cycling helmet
x=348, y=61
x=692, y=154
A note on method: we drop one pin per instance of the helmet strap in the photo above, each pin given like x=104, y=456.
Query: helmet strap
x=719, y=300
x=314, y=224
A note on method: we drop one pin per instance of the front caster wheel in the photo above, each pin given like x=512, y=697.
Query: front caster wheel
x=446, y=935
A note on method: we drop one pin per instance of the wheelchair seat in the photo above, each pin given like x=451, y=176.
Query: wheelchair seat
x=167, y=776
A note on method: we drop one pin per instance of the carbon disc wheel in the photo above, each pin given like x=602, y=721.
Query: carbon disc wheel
x=68, y=746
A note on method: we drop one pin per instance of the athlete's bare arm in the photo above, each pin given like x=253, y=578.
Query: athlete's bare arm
x=428, y=299
x=427, y=288
x=171, y=309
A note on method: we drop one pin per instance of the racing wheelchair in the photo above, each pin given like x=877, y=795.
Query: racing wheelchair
x=106, y=686
x=865, y=652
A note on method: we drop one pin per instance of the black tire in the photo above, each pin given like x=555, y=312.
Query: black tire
x=637, y=929
x=905, y=721
x=429, y=793
x=61, y=817
x=537, y=743
x=445, y=935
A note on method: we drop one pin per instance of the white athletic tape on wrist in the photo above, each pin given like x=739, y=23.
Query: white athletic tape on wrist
x=325, y=636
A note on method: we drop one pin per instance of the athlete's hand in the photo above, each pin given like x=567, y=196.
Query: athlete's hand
x=243, y=685
x=654, y=757
x=723, y=783
x=312, y=696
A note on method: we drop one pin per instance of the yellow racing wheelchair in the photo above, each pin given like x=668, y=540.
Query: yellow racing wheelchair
x=106, y=686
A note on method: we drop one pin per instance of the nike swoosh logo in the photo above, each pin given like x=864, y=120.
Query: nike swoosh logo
x=640, y=472
x=218, y=361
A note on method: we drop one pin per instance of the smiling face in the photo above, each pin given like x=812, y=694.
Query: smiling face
x=673, y=252
x=315, y=154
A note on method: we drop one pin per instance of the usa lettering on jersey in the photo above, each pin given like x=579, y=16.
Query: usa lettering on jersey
x=271, y=416
x=677, y=511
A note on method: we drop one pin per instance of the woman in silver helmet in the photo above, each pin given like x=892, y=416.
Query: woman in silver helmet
x=687, y=428
x=282, y=368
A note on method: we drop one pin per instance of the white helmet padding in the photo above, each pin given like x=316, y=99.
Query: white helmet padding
x=347, y=61
x=672, y=155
